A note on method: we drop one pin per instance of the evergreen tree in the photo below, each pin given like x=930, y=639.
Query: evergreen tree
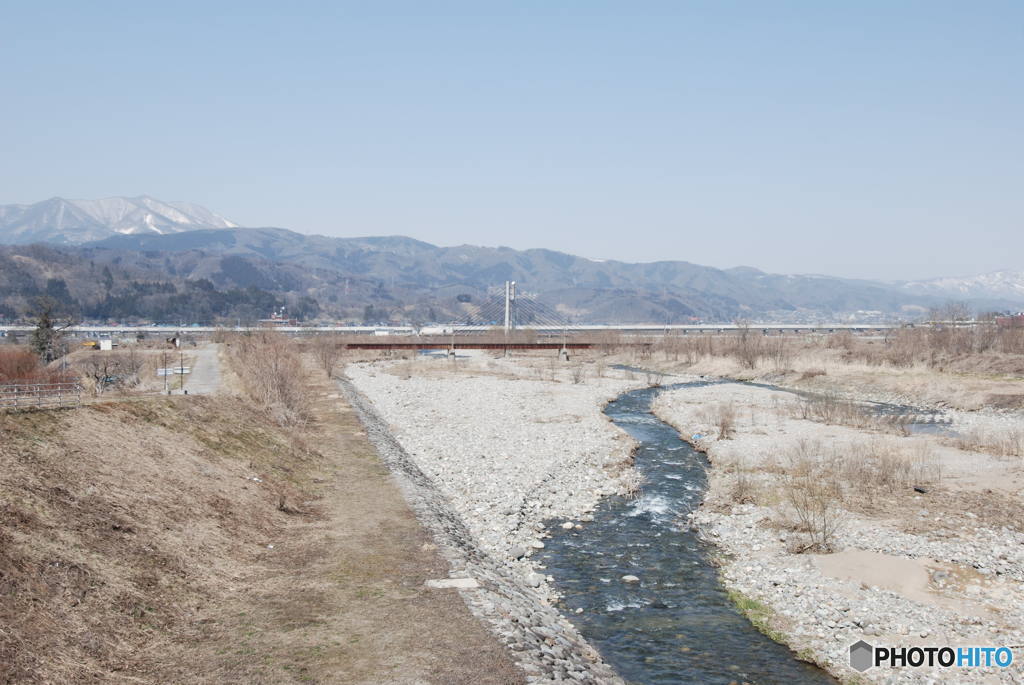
x=47, y=335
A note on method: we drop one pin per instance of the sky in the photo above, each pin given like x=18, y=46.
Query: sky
x=875, y=139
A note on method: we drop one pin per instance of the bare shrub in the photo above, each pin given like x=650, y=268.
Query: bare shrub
x=20, y=365
x=671, y=346
x=747, y=346
x=837, y=411
x=105, y=370
x=1008, y=442
x=725, y=420
x=632, y=484
x=778, y=351
x=820, y=482
x=842, y=340
x=812, y=373
x=578, y=374
x=744, y=489
x=271, y=371
x=815, y=498
x=327, y=350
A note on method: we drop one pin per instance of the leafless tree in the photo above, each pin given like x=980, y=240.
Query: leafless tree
x=108, y=369
x=747, y=345
x=327, y=350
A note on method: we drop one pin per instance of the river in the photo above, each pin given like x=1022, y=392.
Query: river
x=677, y=624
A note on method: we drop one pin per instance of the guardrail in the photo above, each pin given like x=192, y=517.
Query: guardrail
x=40, y=395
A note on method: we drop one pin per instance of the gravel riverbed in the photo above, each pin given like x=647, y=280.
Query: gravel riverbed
x=487, y=453
x=920, y=569
x=488, y=450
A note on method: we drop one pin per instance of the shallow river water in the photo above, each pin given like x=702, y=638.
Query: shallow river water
x=677, y=624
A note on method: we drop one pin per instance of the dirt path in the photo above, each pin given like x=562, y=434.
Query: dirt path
x=340, y=598
x=205, y=376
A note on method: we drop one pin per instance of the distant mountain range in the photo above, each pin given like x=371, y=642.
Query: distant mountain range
x=73, y=222
x=400, y=278
x=576, y=287
x=1006, y=285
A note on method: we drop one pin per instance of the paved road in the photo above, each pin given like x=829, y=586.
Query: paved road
x=205, y=376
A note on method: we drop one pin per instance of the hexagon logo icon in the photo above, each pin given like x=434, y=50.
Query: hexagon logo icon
x=861, y=656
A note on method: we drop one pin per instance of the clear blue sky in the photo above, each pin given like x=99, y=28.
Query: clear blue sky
x=868, y=138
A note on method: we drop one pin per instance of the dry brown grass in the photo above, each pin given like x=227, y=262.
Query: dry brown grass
x=101, y=551
x=816, y=485
x=964, y=367
x=148, y=542
x=1006, y=442
x=837, y=411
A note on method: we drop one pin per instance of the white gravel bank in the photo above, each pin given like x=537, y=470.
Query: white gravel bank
x=508, y=450
x=922, y=572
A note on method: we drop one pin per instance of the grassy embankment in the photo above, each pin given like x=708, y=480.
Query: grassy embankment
x=250, y=538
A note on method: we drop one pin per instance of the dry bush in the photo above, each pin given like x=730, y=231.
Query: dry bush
x=271, y=371
x=886, y=466
x=632, y=484
x=1008, y=442
x=723, y=416
x=747, y=346
x=1009, y=340
x=578, y=373
x=608, y=342
x=820, y=483
x=843, y=340
x=816, y=503
x=837, y=411
x=831, y=409
x=102, y=371
x=778, y=351
x=20, y=365
x=327, y=349
x=882, y=465
x=745, y=489
x=695, y=348
x=952, y=342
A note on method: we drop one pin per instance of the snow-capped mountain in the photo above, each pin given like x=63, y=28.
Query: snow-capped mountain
x=80, y=221
x=998, y=285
